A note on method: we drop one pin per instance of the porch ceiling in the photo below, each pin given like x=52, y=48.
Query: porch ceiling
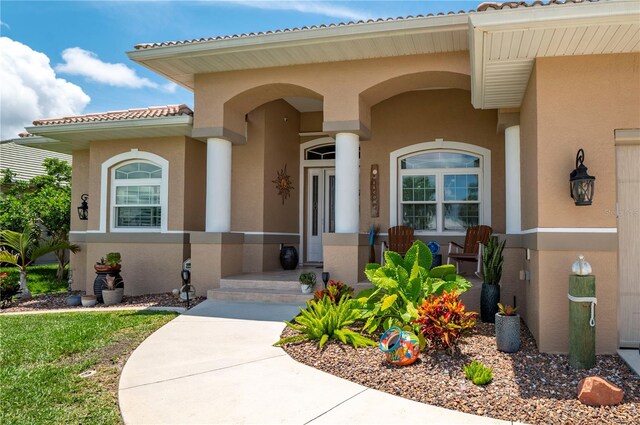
x=433, y=34
x=505, y=43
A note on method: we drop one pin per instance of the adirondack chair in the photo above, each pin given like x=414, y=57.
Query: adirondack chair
x=400, y=240
x=474, y=240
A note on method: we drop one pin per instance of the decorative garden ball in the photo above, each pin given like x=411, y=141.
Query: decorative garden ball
x=401, y=347
x=175, y=292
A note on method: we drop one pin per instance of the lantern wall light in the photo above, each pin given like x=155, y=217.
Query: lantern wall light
x=581, y=184
x=83, y=209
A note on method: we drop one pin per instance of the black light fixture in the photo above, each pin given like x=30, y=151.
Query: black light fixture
x=325, y=278
x=83, y=209
x=581, y=184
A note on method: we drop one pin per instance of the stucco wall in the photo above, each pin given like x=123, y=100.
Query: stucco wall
x=422, y=116
x=529, y=154
x=195, y=177
x=170, y=148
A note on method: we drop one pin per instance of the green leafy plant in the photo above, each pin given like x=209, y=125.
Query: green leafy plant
x=307, y=278
x=113, y=259
x=27, y=248
x=322, y=320
x=443, y=320
x=8, y=289
x=478, y=373
x=335, y=291
x=401, y=285
x=507, y=310
x=492, y=261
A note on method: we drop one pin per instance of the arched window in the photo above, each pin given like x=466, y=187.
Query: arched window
x=441, y=189
x=136, y=198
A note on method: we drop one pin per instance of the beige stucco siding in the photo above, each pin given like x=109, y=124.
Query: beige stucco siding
x=529, y=155
x=80, y=185
x=580, y=102
x=195, y=173
x=423, y=116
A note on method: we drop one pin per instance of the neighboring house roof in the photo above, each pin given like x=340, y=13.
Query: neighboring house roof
x=130, y=114
x=26, y=161
x=481, y=8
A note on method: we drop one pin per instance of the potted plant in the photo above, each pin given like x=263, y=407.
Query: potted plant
x=110, y=264
x=307, y=282
x=112, y=291
x=507, y=329
x=492, y=262
x=107, y=266
x=89, y=300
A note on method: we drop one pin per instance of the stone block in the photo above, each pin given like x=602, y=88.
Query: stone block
x=597, y=391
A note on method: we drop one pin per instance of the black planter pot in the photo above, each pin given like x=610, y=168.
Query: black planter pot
x=99, y=283
x=489, y=299
x=289, y=257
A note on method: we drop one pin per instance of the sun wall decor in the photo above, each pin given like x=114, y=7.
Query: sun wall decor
x=283, y=184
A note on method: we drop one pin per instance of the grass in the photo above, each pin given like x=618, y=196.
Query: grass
x=40, y=279
x=42, y=355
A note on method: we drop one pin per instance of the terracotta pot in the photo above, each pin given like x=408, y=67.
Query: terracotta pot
x=106, y=268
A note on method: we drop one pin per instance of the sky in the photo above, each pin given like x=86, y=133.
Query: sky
x=61, y=58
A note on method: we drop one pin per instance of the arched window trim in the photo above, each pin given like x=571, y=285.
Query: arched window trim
x=440, y=145
x=122, y=159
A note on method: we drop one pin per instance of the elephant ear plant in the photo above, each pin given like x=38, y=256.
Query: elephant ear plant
x=401, y=285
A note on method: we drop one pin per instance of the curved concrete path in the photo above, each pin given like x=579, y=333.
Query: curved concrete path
x=215, y=365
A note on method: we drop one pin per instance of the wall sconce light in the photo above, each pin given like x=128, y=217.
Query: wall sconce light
x=581, y=184
x=83, y=209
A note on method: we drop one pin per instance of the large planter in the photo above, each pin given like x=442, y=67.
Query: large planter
x=489, y=299
x=289, y=257
x=106, y=268
x=99, y=282
x=508, y=332
x=112, y=297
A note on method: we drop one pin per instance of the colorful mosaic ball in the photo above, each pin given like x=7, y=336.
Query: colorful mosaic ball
x=400, y=347
x=433, y=246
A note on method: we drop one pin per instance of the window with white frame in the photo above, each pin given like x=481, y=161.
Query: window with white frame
x=440, y=190
x=136, y=195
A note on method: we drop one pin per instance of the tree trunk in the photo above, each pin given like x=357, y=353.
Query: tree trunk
x=61, y=264
x=23, y=285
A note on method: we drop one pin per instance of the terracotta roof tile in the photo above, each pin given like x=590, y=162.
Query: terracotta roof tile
x=130, y=114
x=481, y=8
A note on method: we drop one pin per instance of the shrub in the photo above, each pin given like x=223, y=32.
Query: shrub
x=8, y=289
x=401, y=285
x=478, y=373
x=335, y=291
x=113, y=259
x=307, y=278
x=323, y=320
x=443, y=320
x=492, y=261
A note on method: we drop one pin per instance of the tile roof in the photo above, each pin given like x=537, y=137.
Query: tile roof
x=130, y=114
x=486, y=6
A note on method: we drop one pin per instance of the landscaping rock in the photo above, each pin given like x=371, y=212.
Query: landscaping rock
x=597, y=391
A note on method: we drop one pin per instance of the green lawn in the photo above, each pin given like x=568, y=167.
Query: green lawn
x=42, y=355
x=40, y=279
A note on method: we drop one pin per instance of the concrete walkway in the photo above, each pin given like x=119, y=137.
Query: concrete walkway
x=215, y=365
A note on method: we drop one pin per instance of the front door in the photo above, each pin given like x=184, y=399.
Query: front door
x=321, y=212
x=628, y=212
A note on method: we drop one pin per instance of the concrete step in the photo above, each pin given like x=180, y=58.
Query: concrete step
x=279, y=285
x=289, y=296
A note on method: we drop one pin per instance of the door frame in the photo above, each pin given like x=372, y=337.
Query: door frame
x=304, y=164
x=324, y=194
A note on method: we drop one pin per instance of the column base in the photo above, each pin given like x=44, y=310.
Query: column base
x=345, y=256
x=214, y=256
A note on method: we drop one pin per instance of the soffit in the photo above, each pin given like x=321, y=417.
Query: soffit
x=434, y=34
x=506, y=43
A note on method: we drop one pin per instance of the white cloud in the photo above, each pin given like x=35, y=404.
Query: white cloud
x=317, y=7
x=87, y=64
x=31, y=90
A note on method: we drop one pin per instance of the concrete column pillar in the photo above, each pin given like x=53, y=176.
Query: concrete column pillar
x=347, y=183
x=512, y=178
x=218, y=200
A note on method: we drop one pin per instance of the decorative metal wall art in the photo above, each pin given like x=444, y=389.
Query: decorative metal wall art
x=374, y=178
x=283, y=184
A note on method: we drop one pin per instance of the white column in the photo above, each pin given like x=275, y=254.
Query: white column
x=512, y=178
x=218, y=204
x=347, y=183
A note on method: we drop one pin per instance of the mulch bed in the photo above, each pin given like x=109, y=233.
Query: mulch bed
x=528, y=386
x=59, y=301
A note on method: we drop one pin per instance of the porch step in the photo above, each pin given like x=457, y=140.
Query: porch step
x=286, y=296
x=249, y=284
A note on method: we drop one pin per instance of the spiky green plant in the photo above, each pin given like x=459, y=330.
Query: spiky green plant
x=492, y=261
x=478, y=373
x=322, y=320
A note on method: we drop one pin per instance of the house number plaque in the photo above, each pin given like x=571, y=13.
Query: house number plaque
x=374, y=178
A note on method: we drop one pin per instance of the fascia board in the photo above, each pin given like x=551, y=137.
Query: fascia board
x=52, y=129
x=305, y=37
x=618, y=12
